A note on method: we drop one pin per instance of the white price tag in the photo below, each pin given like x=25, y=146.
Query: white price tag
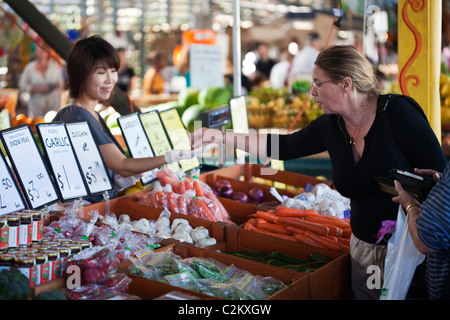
x=89, y=157
x=62, y=160
x=10, y=197
x=29, y=166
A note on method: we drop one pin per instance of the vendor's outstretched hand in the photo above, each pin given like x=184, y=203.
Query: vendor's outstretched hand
x=403, y=198
x=176, y=155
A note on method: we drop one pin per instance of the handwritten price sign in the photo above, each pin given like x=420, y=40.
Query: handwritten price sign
x=29, y=166
x=89, y=157
x=62, y=160
x=10, y=197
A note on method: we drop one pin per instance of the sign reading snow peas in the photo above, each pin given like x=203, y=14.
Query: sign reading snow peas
x=35, y=180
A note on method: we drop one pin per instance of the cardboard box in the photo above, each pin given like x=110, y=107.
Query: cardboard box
x=331, y=281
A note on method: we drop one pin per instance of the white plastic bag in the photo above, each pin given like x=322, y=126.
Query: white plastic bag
x=401, y=260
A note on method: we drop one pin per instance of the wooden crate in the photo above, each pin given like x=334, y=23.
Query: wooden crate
x=297, y=284
x=249, y=171
x=331, y=281
x=128, y=205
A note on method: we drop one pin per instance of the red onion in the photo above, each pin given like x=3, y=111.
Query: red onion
x=256, y=194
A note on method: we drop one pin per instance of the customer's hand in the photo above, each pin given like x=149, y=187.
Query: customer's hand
x=436, y=175
x=403, y=198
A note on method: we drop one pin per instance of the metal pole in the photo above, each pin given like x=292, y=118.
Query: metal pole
x=237, y=87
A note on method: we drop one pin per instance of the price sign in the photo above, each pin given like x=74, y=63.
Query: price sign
x=178, y=135
x=156, y=135
x=10, y=197
x=137, y=142
x=32, y=173
x=239, y=119
x=89, y=157
x=62, y=160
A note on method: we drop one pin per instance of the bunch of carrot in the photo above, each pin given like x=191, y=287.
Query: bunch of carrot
x=186, y=196
x=304, y=226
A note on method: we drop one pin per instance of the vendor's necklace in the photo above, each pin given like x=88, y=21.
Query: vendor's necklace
x=352, y=139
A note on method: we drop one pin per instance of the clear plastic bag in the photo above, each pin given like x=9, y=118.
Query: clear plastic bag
x=401, y=260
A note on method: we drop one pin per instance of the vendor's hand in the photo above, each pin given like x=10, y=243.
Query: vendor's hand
x=403, y=198
x=436, y=175
x=122, y=183
x=176, y=155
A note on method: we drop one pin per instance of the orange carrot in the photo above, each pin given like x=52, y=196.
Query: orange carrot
x=159, y=195
x=295, y=230
x=327, y=243
x=328, y=220
x=198, y=189
x=346, y=233
x=278, y=235
x=188, y=185
x=293, y=212
x=303, y=224
x=334, y=231
x=182, y=205
x=344, y=241
x=270, y=217
x=204, y=210
x=308, y=241
x=276, y=228
x=181, y=187
x=172, y=201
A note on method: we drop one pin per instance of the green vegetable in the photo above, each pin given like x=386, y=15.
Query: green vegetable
x=207, y=270
x=286, y=258
x=318, y=257
x=50, y=295
x=14, y=285
x=277, y=263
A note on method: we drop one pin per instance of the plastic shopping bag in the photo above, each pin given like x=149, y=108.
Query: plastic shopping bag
x=401, y=260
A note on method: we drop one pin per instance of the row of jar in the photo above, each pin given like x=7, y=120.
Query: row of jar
x=42, y=262
x=20, y=229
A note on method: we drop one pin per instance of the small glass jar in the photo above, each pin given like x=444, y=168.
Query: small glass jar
x=54, y=264
x=75, y=248
x=26, y=265
x=64, y=255
x=41, y=267
x=84, y=243
x=38, y=225
x=25, y=229
x=13, y=221
x=4, y=233
x=6, y=261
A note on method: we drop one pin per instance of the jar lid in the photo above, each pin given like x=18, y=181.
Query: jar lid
x=38, y=256
x=12, y=217
x=50, y=253
x=6, y=257
x=24, y=259
x=63, y=249
x=24, y=215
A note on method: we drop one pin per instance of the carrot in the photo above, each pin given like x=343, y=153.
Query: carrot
x=278, y=235
x=172, y=201
x=198, y=189
x=159, y=195
x=308, y=241
x=328, y=220
x=293, y=212
x=276, y=228
x=188, y=185
x=204, y=210
x=303, y=224
x=152, y=199
x=270, y=217
x=181, y=187
x=327, y=243
x=295, y=230
x=331, y=237
x=182, y=205
x=346, y=233
x=334, y=231
x=344, y=241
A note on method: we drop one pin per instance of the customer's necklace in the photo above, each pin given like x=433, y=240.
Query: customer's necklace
x=352, y=140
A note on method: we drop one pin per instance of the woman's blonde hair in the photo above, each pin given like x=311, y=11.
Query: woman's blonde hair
x=346, y=61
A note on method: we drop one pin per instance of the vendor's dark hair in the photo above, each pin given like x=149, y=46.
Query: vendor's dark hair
x=83, y=59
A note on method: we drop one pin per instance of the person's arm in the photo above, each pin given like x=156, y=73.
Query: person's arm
x=413, y=210
x=255, y=143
